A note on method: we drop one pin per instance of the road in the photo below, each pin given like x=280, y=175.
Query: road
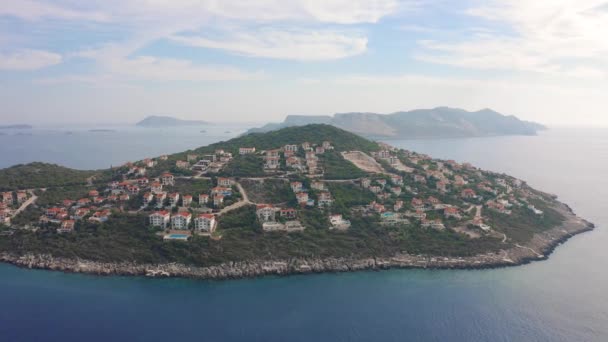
x=26, y=204
x=245, y=201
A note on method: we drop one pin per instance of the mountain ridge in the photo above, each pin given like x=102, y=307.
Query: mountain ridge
x=167, y=121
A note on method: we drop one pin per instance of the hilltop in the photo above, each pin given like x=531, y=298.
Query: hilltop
x=311, y=198
x=168, y=121
x=441, y=122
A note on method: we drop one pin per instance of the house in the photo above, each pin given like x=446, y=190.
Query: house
x=451, y=212
x=338, y=222
x=181, y=221
x=173, y=199
x=5, y=217
x=382, y=182
x=124, y=197
x=7, y=197
x=289, y=213
x=327, y=145
x=375, y=189
x=149, y=162
x=246, y=150
x=265, y=212
x=67, y=203
x=365, y=182
x=160, y=219
x=156, y=187
x=435, y=224
x=139, y=171
x=100, y=216
x=398, y=205
x=396, y=180
x=148, y=198
x=296, y=186
x=54, y=212
x=163, y=157
x=191, y=157
x=80, y=213
x=417, y=203
x=396, y=190
x=203, y=199
x=271, y=162
x=534, y=210
x=292, y=162
x=318, y=185
x=310, y=155
x=160, y=199
x=218, y=200
x=468, y=194
x=21, y=196
x=433, y=201
x=306, y=146
x=376, y=207
x=221, y=190
x=459, y=180
x=93, y=193
x=302, y=198
x=441, y=186
x=167, y=179
x=319, y=150
x=181, y=164
x=419, y=179
x=66, y=226
x=83, y=201
x=186, y=200
x=133, y=189
x=205, y=223
x=324, y=199
x=225, y=182
x=290, y=148
x=143, y=181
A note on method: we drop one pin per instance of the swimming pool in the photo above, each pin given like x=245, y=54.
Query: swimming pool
x=177, y=237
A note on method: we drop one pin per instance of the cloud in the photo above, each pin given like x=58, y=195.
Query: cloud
x=28, y=60
x=544, y=36
x=287, y=44
x=35, y=10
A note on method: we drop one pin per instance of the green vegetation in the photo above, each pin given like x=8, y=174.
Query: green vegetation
x=244, y=166
x=268, y=191
x=190, y=186
x=41, y=175
x=52, y=196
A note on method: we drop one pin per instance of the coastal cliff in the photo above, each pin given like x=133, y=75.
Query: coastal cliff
x=538, y=248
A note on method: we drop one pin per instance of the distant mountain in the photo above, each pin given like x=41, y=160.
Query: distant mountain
x=21, y=126
x=441, y=122
x=168, y=121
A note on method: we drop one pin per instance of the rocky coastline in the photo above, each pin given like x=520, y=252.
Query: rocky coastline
x=538, y=248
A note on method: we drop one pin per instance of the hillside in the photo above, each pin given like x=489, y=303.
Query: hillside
x=18, y=126
x=167, y=121
x=41, y=175
x=441, y=122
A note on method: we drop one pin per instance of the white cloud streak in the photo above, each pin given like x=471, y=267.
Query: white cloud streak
x=28, y=60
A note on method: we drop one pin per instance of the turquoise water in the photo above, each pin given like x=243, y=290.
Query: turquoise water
x=561, y=299
x=178, y=236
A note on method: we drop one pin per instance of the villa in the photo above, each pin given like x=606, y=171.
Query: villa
x=338, y=222
x=186, y=200
x=225, y=182
x=289, y=213
x=218, y=200
x=173, y=199
x=67, y=226
x=246, y=150
x=181, y=221
x=156, y=187
x=203, y=199
x=318, y=185
x=205, y=223
x=160, y=219
x=324, y=199
x=265, y=212
x=181, y=164
x=167, y=179
x=296, y=186
x=302, y=198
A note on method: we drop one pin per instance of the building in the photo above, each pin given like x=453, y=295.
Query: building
x=271, y=163
x=218, y=200
x=468, y=194
x=225, y=182
x=365, y=182
x=205, y=223
x=80, y=213
x=246, y=150
x=160, y=199
x=318, y=185
x=66, y=226
x=100, y=216
x=191, y=157
x=123, y=197
x=167, y=179
x=181, y=221
x=7, y=197
x=160, y=219
x=306, y=146
x=93, y=193
x=133, y=189
x=186, y=200
x=203, y=199
x=289, y=213
x=5, y=217
x=222, y=191
x=296, y=186
x=290, y=148
x=396, y=180
x=173, y=199
x=451, y=212
x=302, y=198
x=148, y=198
x=319, y=150
x=338, y=222
x=325, y=199
x=398, y=205
x=156, y=187
x=21, y=196
x=417, y=203
x=327, y=145
x=149, y=162
x=265, y=212
x=181, y=164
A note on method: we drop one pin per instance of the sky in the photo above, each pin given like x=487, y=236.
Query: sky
x=73, y=61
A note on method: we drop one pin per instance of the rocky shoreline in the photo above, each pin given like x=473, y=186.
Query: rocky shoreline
x=538, y=248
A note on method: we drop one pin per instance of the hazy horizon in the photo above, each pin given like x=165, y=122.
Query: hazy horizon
x=67, y=61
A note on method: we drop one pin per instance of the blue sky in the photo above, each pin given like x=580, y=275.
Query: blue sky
x=232, y=60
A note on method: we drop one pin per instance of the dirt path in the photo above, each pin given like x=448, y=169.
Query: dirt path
x=363, y=161
x=238, y=204
x=25, y=204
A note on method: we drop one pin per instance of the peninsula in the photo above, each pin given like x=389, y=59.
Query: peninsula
x=440, y=122
x=303, y=199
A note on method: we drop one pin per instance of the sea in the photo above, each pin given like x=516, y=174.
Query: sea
x=564, y=298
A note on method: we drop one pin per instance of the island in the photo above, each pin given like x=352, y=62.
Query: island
x=168, y=121
x=440, y=122
x=298, y=200
x=18, y=126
